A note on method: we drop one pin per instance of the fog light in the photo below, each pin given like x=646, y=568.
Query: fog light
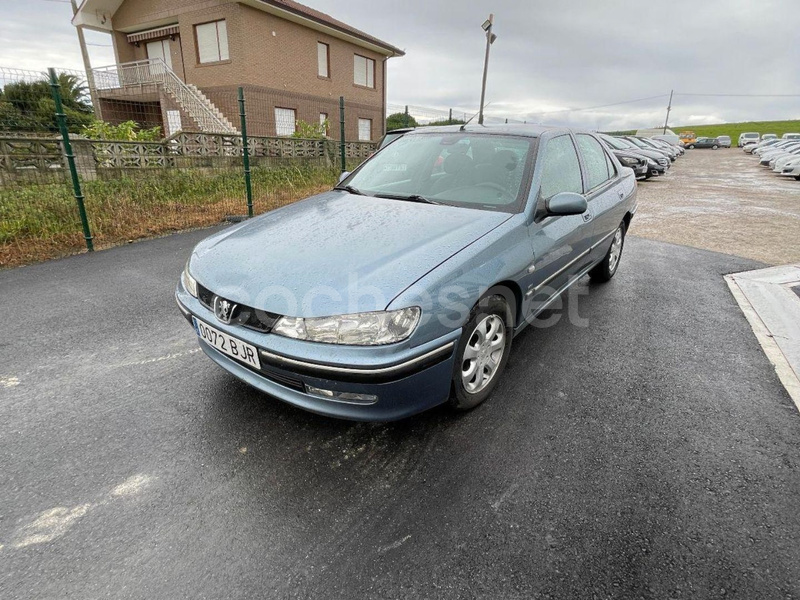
x=345, y=397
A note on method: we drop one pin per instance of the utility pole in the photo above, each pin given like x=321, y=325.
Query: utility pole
x=87, y=66
x=490, y=38
x=669, y=108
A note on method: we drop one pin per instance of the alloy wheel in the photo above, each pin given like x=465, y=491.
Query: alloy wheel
x=616, y=250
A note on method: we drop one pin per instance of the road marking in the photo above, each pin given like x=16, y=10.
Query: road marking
x=9, y=382
x=504, y=496
x=132, y=485
x=149, y=361
x=50, y=525
x=396, y=544
x=766, y=338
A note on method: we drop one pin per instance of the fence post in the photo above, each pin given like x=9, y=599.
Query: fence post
x=245, y=154
x=73, y=171
x=341, y=126
x=405, y=117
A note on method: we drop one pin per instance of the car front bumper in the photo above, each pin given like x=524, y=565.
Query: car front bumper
x=405, y=381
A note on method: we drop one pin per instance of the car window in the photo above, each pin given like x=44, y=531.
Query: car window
x=594, y=159
x=561, y=171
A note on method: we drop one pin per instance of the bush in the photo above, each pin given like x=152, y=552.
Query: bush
x=399, y=121
x=129, y=131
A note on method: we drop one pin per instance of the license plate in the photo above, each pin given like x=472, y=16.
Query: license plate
x=229, y=345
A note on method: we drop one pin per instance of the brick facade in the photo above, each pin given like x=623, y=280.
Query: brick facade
x=274, y=58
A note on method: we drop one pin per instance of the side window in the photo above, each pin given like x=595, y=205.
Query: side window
x=612, y=170
x=561, y=171
x=595, y=160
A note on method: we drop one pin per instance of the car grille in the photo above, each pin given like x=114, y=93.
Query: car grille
x=243, y=315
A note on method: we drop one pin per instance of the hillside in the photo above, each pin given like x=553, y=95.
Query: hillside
x=734, y=129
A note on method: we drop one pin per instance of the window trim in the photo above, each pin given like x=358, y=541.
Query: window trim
x=221, y=61
x=540, y=210
x=327, y=57
x=374, y=72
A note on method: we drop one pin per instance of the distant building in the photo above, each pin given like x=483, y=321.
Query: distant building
x=654, y=131
x=179, y=63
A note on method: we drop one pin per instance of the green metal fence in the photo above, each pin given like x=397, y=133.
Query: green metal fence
x=69, y=182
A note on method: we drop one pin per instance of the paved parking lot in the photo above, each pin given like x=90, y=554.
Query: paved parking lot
x=722, y=200
x=652, y=454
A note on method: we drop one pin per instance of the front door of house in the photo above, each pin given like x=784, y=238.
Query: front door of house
x=160, y=49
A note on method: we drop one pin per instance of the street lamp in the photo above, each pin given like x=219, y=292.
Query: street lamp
x=490, y=38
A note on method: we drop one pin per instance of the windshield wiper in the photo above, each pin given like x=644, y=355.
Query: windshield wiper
x=411, y=198
x=351, y=189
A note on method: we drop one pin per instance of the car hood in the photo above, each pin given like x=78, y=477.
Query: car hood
x=335, y=253
x=654, y=154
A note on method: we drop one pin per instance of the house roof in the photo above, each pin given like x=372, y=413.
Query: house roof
x=325, y=19
x=98, y=14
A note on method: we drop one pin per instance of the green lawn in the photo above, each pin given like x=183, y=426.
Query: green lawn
x=734, y=129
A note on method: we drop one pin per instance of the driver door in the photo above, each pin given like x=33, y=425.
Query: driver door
x=560, y=243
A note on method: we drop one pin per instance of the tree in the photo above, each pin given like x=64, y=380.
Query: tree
x=29, y=105
x=399, y=121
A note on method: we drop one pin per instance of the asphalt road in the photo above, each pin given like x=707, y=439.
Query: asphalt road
x=652, y=454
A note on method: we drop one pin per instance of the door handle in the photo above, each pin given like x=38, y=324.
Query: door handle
x=621, y=194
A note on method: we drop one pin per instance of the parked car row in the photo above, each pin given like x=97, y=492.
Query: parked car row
x=648, y=157
x=780, y=155
x=722, y=141
x=751, y=138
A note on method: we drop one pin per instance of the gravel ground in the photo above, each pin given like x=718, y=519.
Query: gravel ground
x=726, y=202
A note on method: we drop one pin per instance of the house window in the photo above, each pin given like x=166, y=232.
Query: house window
x=212, y=42
x=323, y=123
x=365, y=130
x=285, y=119
x=323, y=60
x=363, y=71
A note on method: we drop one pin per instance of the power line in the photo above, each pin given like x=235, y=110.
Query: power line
x=741, y=95
x=549, y=112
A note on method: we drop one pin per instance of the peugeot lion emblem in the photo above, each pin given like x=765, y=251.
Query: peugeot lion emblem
x=223, y=310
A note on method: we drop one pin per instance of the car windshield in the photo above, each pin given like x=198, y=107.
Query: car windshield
x=474, y=170
x=389, y=138
x=637, y=142
x=616, y=143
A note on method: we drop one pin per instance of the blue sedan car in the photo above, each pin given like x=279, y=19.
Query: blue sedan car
x=403, y=287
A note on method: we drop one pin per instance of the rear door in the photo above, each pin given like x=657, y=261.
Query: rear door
x=560, y=243
x=605, y=192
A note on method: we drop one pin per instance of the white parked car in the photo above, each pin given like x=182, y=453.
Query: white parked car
x=792, y=169
x=791, y=136
x=768, y=136
x=751, y=136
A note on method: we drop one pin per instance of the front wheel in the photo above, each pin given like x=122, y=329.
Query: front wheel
x=482, y=352
x=605, y=270
x=691, y=146
x=714, y=147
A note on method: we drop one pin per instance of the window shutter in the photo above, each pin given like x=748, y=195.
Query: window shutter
x=364, y=130
x=359, y=70
x=207, y=47
x=222, y=35
x=322, y=59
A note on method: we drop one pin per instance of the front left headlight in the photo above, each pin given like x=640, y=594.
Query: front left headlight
x=359, y=329
x=629, y=161
x=189, y=282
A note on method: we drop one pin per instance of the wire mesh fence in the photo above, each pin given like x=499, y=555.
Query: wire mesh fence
x=409, y=115
x=148, y=162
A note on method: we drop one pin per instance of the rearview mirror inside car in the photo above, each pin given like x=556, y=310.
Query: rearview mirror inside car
x=566, y=203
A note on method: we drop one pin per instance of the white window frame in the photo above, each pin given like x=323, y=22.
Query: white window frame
x=362, y=137
x=285, y=121
x=164, y=51
x=363, y=71
x=323, y=60
x=210, y=50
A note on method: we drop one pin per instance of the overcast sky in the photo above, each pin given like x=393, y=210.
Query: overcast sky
x=549, y=56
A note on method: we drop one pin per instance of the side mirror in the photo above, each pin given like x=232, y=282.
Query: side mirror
x=343, y=176
x=566, y=203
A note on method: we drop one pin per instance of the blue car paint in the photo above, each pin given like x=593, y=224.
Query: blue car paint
x=409, y=251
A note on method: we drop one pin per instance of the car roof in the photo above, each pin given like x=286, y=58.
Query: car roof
x=518, y=129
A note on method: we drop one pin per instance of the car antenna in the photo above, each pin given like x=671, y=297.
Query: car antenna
x=472, y=117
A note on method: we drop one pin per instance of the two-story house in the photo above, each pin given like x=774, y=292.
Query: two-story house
x=180, y=62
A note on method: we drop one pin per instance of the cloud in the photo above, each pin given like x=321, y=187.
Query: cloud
x=548, y=55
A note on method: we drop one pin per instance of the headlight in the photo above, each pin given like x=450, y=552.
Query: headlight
x=189, y=282
x=359, y=329
x=629, y=161
x=651, y=162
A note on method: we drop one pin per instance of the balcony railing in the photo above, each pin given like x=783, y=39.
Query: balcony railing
x=155, y=71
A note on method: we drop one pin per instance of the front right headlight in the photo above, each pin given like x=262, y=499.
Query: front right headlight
x=358, y=329
x=189, y=282
x=629, y=161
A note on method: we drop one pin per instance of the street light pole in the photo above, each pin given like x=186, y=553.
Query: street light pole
x=490, y=38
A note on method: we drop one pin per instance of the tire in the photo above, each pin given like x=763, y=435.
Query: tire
x=691, y=146
x=797, y=177
x=490, y=322
x=606, y=268
x=714, y=147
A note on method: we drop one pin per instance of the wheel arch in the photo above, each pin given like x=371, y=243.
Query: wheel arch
x=510, y=291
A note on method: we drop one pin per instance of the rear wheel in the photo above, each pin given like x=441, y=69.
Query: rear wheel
x=605, y=270
x=482, y=352
x=714, y=147
x=691, y=146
